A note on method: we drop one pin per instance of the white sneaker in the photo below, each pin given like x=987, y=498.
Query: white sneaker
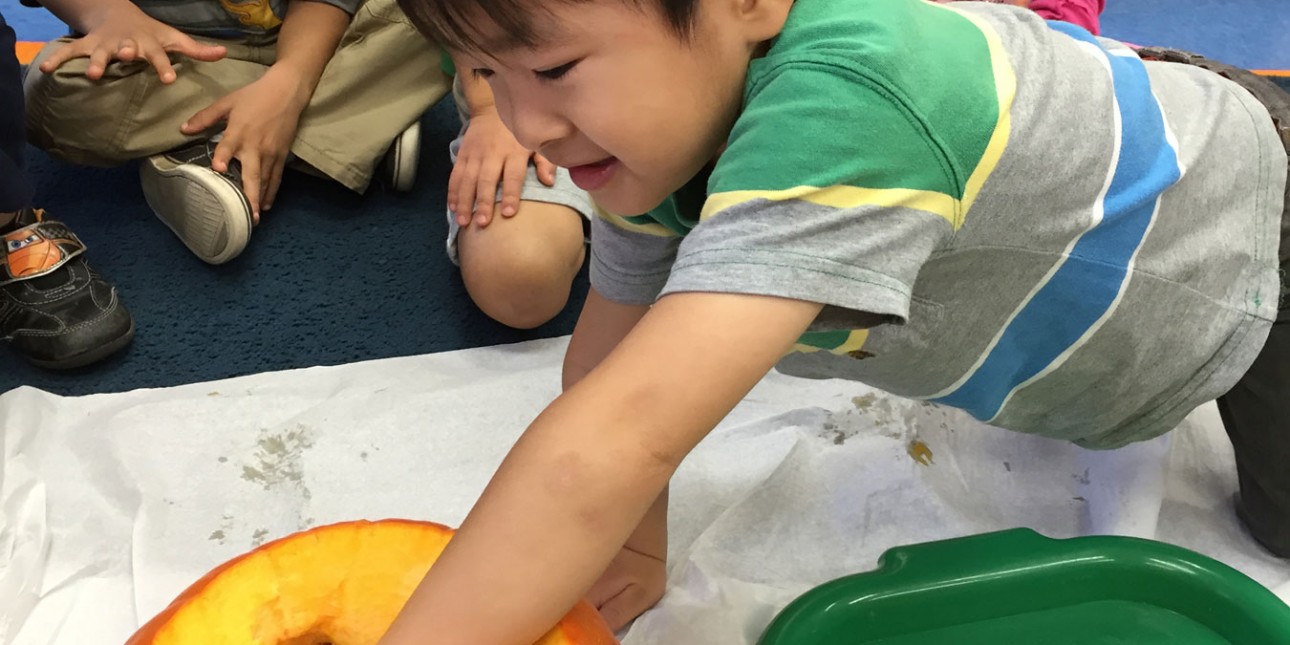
x=400, y=162
x=206, y=209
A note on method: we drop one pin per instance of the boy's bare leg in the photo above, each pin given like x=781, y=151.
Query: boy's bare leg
x=519, y=270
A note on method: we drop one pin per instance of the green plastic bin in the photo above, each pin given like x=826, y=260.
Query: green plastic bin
x=1019, y=588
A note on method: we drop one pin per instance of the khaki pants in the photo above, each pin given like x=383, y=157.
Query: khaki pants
x=383, y=76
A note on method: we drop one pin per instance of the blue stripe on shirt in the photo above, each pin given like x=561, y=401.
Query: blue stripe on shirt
x=1087, y=284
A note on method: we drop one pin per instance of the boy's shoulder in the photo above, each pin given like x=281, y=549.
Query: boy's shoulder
x=894, y=39
x=873, y=99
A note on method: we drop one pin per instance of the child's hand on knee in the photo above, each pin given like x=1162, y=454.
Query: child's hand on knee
x=127, y=34
x=490, y=154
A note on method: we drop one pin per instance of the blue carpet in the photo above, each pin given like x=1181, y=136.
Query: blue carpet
x=32, y=24
x=333, y=278
x=1254, y=34
x=329, y=278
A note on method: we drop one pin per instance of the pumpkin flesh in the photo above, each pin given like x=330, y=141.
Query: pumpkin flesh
x=341, y=584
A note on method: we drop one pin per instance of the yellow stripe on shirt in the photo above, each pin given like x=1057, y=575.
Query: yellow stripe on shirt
x=621, y=222
x=1005, y=84
x=933, y=202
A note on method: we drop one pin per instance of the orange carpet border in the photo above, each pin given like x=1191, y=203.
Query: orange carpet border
x=27, y=51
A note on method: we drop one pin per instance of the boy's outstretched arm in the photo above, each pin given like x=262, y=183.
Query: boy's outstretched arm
x=637, y=576
x=581, y=478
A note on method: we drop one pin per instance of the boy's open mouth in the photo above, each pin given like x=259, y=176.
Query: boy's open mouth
x=591, y=176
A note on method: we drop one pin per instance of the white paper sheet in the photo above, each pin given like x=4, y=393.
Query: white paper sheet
x=112, y=504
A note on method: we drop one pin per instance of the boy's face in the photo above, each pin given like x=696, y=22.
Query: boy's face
x=615, y=95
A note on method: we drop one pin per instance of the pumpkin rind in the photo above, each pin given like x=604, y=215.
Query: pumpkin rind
x=341, y=583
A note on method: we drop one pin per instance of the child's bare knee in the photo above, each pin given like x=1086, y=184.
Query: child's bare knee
x=522, y=288
x=521, y=303
x=519, y=290
x=519, y=273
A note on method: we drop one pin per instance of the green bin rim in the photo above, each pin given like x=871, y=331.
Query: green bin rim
x=910, y=569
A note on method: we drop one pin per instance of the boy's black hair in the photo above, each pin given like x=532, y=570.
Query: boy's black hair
x=447, y=23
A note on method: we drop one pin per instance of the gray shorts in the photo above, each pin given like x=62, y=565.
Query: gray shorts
x=564, y=193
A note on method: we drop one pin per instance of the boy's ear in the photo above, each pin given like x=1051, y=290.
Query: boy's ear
x=763, y=19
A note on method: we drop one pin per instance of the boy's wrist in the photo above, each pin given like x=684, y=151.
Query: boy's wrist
x=298, y=84
x=88, y=16
x=650, y=537
x=483, y=110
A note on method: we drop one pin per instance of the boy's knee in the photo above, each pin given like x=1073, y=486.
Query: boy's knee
x=521, y=277
x=67, y=114
x=522, y=301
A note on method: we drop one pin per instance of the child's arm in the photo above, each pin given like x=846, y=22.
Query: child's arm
x=489, y=153
x=262, y=117
x=118, y=30
x=585, y=473
x=602, y=324
x=637, y=576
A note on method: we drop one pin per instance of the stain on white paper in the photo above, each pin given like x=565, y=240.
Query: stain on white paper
x=279, y=459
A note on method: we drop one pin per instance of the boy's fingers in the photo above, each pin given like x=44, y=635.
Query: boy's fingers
x=274, y=182
x=454, y=185
x=161, y=62
x=513, y=184
x=184, y=44
x=466, y=193
x=490, y=173
x=223, y=153
x=62, y=55
x=545, y=169
x=128, y=50
x=623, y=607
x=207, y=117
x=483, y=213
x=99, y=60
x=251, y=184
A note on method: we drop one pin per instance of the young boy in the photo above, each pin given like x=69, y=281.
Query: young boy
x=55, y=311
x=958, y=203
x=518, y=268
x=218, y=96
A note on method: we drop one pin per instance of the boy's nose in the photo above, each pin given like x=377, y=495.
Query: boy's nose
x=535, y=126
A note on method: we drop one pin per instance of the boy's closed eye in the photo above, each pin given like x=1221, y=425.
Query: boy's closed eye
x=557, y=72
x=549, y=74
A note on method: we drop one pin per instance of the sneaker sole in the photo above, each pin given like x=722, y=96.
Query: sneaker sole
x=87, y=357
x=194, y=202
x=407, y=149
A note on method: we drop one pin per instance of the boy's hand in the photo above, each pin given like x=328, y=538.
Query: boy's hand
x=262, y=119
x=127, y=34
x=633, y=583
x=489, y=153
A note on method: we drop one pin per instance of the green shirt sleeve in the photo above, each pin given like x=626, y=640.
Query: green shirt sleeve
x=831, y=190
